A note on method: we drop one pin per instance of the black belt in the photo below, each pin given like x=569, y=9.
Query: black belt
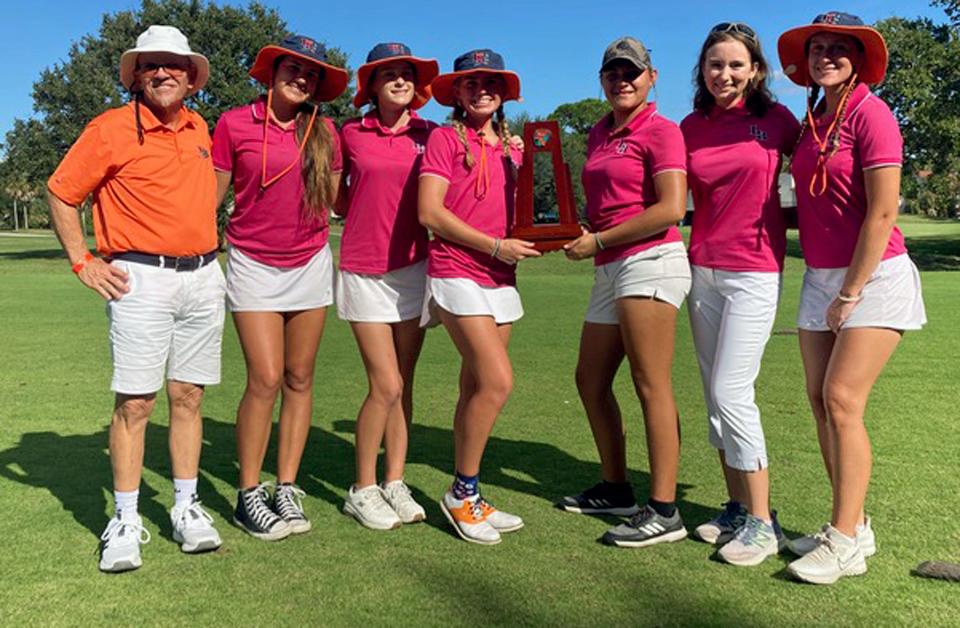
x=178, y=264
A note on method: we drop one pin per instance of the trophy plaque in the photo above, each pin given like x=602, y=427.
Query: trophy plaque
x=549, y=228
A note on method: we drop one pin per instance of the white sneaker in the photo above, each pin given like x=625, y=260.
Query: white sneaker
x=835, y=556
x=468, y=519
x=368, y=506
x=865, y=538
x=502, y=521
x=397, y=494
x=120, y=544
x=193, y=528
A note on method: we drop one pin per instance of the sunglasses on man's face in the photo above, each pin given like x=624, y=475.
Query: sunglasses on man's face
x=177, y=67
x=627, y=74
x=734, y=27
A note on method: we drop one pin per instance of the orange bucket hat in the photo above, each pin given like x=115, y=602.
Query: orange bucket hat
x=332, y=83
x=792, y=47
x=483, y=60
x=426, y=69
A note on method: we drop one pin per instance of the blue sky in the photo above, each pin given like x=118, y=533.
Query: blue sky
x=554, y=46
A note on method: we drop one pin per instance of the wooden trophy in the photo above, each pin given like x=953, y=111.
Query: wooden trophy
x=547, y=231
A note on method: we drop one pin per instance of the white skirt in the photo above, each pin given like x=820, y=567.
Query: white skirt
x=465, y=297
x=891, y=297
x=256, y=287
x=389, y=298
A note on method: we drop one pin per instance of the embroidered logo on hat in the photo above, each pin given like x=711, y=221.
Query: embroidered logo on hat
x=308, y=44
x=480, y=57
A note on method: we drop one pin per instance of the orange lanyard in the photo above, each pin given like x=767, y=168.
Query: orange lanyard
x=483, y=175
x=264, y=182
x=820, y=172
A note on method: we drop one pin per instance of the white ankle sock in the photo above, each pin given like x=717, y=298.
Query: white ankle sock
x=184, y=490
x=126, y=503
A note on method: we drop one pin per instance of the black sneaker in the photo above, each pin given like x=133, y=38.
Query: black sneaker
x=647, y=528
x=287, y=504
x=253, y=515
x=603, y=498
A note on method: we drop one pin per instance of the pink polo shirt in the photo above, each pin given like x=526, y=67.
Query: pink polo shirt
x=618, y=175
x=272, y=226
x=733, y=167
x=490, y=212
x=382, y=232
x=830, y=223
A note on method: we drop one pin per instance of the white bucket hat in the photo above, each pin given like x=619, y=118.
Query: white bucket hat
x=164, y=39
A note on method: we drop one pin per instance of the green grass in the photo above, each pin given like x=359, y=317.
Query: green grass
x=55, y=481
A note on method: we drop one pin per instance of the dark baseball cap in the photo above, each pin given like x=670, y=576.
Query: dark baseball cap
x=626, y=49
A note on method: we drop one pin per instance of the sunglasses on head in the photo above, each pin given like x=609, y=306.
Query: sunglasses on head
x=625, y=74
x=734, y=27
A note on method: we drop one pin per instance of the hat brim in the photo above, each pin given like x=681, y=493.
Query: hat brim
x=443, y=85
x=793, y=56
x=427, y=70
x=128, y=66
x=333, y=83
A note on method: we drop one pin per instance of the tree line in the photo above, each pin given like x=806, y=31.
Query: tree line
x=922, y=87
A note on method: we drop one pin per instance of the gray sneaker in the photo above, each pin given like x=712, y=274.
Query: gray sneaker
x=753, y=542
x=835, y=556
x=646, y=528
x=721, y=528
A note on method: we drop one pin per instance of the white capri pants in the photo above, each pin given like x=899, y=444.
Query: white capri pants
x=732, y=315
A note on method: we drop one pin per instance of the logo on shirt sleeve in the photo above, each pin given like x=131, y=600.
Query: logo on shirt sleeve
x=757, y=132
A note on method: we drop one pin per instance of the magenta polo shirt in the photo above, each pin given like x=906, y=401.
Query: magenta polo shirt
x=272, y=226
x=490, y=212
x=830, y=223
x=733, y=167
x=618, y=175
x=382, y=232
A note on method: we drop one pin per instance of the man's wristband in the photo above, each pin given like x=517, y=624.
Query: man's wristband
x=77, y=267
x=848, y=299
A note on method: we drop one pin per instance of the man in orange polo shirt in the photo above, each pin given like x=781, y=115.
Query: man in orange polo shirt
x=148, y=167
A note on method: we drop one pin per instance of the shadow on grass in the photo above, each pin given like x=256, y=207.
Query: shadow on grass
x=32, y=255
x=76, y=470
x=932, y=253
x=928, y=253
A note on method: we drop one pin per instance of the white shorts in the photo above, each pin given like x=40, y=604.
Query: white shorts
x=891, y=297
x=167, y=321
x=732, y=315
x=661, y=272
x=465, y=297
x=256, y=287
x=389, y=298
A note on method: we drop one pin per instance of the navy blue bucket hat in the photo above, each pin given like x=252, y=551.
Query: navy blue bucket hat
x=332, y=83
x=482, y=60
x=381, y=54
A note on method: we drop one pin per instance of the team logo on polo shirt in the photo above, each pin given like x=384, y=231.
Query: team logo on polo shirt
x=203, y=152
x=622, y=147
x=757, y=132
x=419, y=147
